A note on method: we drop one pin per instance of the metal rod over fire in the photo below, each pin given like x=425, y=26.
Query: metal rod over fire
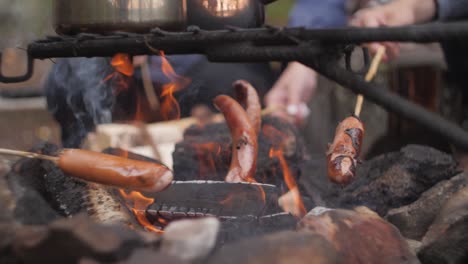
x=321, y=49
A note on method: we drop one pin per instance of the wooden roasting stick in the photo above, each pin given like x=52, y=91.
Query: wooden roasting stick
x=343, y=153
x=106, y=169
x=374, y=67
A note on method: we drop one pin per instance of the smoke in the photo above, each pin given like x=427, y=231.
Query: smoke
x=22, y=21
x=78, y=96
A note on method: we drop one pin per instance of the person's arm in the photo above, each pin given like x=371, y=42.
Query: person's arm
x=297, y=84
x=396, y=13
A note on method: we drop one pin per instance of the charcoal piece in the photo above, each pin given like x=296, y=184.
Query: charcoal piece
x=69, y=240
x=205, y=153
x=29, y=189
x=447, y=240
x=395, y=179
x=237, y=228
x=278, y=248
x=202, y=198
x=277, y=222
x=414, y=220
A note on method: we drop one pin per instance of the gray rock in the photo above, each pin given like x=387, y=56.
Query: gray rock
x=396, y=179
x=190, y=239
x=414, y=220
x=287, y=247
x=70, y=240
x=447, y=239
x=360, y=236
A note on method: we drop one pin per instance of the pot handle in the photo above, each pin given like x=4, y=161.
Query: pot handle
x=17, y=79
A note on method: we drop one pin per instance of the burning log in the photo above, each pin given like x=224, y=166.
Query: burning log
x=205, y=152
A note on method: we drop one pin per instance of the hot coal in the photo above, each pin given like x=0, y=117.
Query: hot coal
x=205, y=153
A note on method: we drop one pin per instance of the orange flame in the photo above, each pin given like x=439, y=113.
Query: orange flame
x=123, y=64
x=138, y=203
x=170, y=108
x=206, y=153
x=278, y=139
x=123, y=67
x=290, y=182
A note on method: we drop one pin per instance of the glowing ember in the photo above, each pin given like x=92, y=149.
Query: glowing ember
x=170, y=108
x=138, y=203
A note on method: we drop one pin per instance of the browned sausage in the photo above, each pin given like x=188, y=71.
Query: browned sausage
x=248, y=97
x=343, y=153
x=115, y=171
x=244, y=140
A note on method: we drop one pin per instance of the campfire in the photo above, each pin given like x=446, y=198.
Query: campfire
x=230, y=187
x=241, y=190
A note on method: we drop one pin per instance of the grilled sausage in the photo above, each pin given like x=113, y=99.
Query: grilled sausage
x=247, y=96
x=342, y=155
x=244, y=140
x=115, y=171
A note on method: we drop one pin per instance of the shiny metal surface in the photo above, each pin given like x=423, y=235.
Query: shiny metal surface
x=217, y=14
x=100, y=16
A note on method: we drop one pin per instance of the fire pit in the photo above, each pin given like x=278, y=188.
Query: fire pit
x=258, y=215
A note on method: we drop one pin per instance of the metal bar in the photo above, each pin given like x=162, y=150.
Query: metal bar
x=201, y=41
x=392, y=102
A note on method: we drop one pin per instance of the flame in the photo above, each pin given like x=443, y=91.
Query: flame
x=298, y=205
x=123, y=64
x=206, y=153
x=123, y=68
x=137, y=203
x=278, y=140
x=170, y=108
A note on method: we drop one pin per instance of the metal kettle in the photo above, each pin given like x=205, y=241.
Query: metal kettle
x=140, y=16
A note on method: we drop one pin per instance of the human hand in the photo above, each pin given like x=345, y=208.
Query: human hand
x=292, y=92
x=396, y=13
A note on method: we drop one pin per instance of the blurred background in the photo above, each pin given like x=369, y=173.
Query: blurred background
x=418, y=75
x=23, y=113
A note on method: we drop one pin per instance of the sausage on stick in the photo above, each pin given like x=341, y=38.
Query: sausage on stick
x=343, y=153
x=107, y=169
x=247, y=96
x=244, y=139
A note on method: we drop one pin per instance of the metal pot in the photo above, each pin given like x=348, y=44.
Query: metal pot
x=217, y=14
x=101, y=16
